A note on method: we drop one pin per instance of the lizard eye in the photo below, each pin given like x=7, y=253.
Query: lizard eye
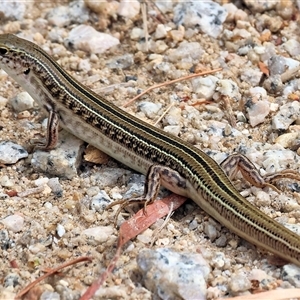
x=3, y=51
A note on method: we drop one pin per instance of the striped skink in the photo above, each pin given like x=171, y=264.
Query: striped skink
x=164, y=158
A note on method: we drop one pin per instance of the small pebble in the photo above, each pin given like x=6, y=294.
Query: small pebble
x=97, y=235
x=150, y=109
x=129, y=8
x=292, y=46
x=170, y=275
x=161, y=31
x=288, y=113
x=239, y=283
x=93, y=191
x=56, y=187
x=228, y=88
x=173, y=129
x=273, y=84
x=107, y=177
x=210, y=231
x=41, y=181
x=100, y=201
x=286, y=139
x=15, y=223
x=187, y=51
x=260, y=5
x=61, y=16
x=12, y=280
x=6, y=182
x=63, y=161
x=60, y=230
x=204, y=87
x=218, y=260
x=87, y=39
x=103, y=7
x=258, y=112
x=13, y=10
x=291, y=273
x=137, y=33
x=37, y=248
x=208, y=15
x=48, y=295
x=121, y=62
x=221, y=241
x=279, y=64
x=10, y=152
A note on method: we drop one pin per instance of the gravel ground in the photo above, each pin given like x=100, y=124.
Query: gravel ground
x=52, y=215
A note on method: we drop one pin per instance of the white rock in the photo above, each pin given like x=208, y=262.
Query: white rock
x=41, y=181
x=211, y=231
x=63, y=161
x=15, y=223
x=258, y=112
x=75, y=12
x=206, y=14
x=97, y=235
x=288, y=113
x=150, y=109
x=121, y=62
x=48, y=205
x=262, y=199
x=37, y=248
x=160, y=32
x=251, y=75
x=292, y=46
x=11, y=280
x=218, y=260
x=13, y=9
x=100, y=201
x=188, y=51
x=259, y=275
x=129, y=8
x=260, y=5
x=288, y=204
x=291, y=273
x=10, y=152
x=173, y=118
x=172, y=129
x=50, y=295
x=231, y=10
x=228, y=88
x=239, y=282
x=241, y=32
x=86, y=38
x=258, y=92
x=170, y=275
x=58, y=16
x=5, y=181
x=93, y=191
x=55, y=187
x=60, y=230
x=165, y=6
x=293, y=227
x=275, y=160
x=204, y=87
x=279, y=64
x=22, y=101
x=84, y=65
x=137, y=33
